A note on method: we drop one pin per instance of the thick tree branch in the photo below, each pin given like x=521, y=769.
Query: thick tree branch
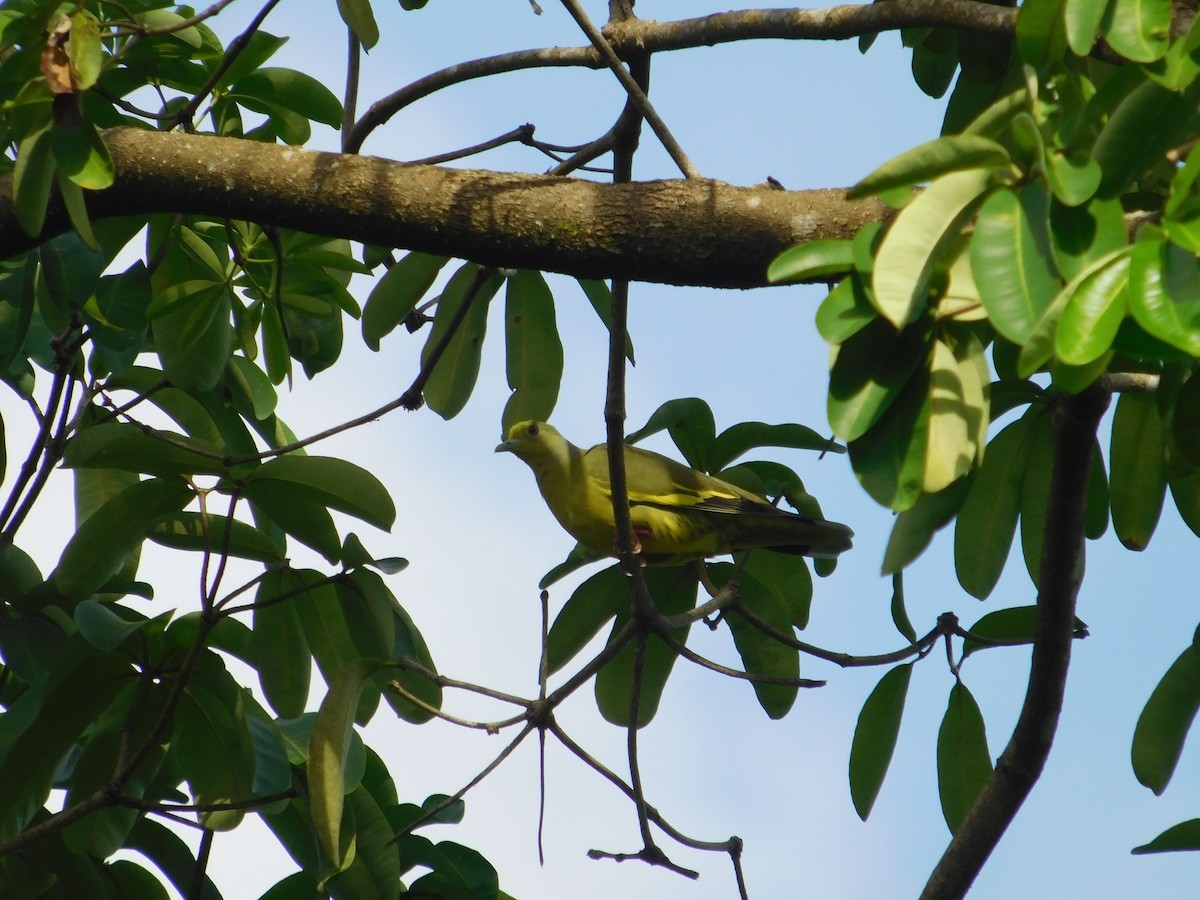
x=693, y=232
x=1021, y=763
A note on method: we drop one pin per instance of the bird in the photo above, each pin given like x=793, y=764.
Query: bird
x=678, y=514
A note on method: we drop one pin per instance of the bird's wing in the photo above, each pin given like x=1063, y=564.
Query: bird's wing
x=658, y=481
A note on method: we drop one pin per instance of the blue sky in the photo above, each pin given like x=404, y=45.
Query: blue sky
x=478, y=536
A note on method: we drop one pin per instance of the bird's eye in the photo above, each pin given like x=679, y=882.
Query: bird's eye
x=532, y=431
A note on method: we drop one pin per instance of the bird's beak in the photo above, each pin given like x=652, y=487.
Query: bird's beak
x=505, y=447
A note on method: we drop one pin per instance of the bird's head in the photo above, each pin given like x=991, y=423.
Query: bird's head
x=533, y=441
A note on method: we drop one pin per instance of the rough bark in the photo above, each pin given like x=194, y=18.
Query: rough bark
x=697, y=232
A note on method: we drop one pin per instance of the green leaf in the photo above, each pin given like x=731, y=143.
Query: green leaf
x=70, y=270
x=963, y=762
x=1040, y=31
x=279, y=646
x=533, y=349
x=761, y=654
x=453, y=378
x=738, y=439
x=1145, y=124
x=305, y=519
x=914, y=528
x=1083, y=234
x=689, y=421
x=194, y=341
x=917, y=238
x=1092, y=316
x=1162, y=280
x=1012, y=260
x=99, y=547
x=1138, y=480
x=875, y=737
x=358, y=16
x=170, y=854
x=32, y=179
x=213, y=745
x=332, y=482
x=330, y=635
x=1138, y=30
x=931, y=160
x=106, y=625
x=813, y=260
x=118, y=445
x=83, y=157
x=1035, y=494
x=253, y=394
x=1015, y=624
x=958, y=413
x=1163, y=724
x=592, y=605
x=889, y=460
x=397, y=293
x=674, y=591
x=787, y=579
x=600, y=297
x=845, y=311
x=328, y=745
x=869, y=371
x=291, y=90
x=988, y=518
x=1082, y=19
x=1184, y=836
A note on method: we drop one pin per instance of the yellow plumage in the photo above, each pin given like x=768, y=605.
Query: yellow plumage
x=677, y=513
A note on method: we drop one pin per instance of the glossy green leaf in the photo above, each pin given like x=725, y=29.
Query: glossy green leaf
x=958, y=413
x=292, y=90
x=106, y=625
x=194, y=340
x=32, y=179
x=963, y=761
x=674, y=591
x=307, y=520
x=397, y=293
x=875, y=737
x=1035, y=493
x=457, y=872
x=171, y=855
x=889, y=460
x=1138, y=477
x=1041, y=36
x=738, y=439
x=590, y=607
x=988, y=518
x=935, y=60
x=1082, y=234
x=1165, y=721
x=99, y=547
x=600, y=297
x=213, y=746
x=1012, y=260
x=931, y=160
x=1162, y=280
x=328, y=745
x=1082, y=19
x=1092, y=316
x=787, y=579
x=1074, y=180
x=914, y=528
x=251, y=389
x=870, y=370
x=360, y=19
x=453, y=378
x=761, y=654
x=533, y=349
x=1144, y=125
x=1184, y=836
x=845, y=311
x=1017, y=624
x=82, y=156
x=689, y=421
x=70, y=270
x=118, y=445
x=336, y=483
x=279, y=646
x=813, y=260
x=913, y=245
x=1138, y=30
